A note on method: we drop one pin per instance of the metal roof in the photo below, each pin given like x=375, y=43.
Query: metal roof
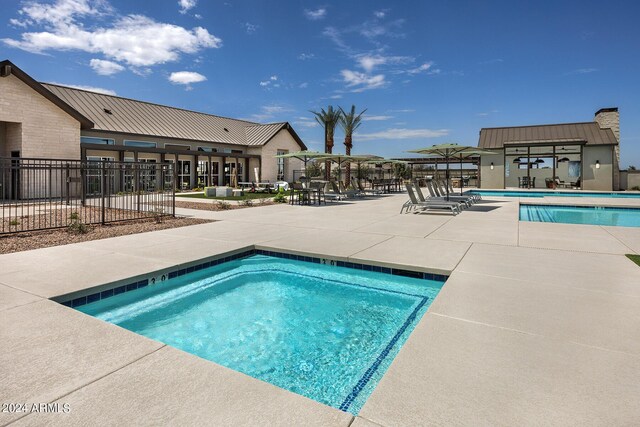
x=115, y=114
x=588, y=133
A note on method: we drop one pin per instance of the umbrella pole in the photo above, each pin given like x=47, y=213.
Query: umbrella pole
x=447, y=176
x=461, y=180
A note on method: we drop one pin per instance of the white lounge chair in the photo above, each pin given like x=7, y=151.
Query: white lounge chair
x=413, y=203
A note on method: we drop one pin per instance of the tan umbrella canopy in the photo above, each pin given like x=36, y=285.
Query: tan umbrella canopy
x=304, y=155
x=451, y=150
x=340, y=159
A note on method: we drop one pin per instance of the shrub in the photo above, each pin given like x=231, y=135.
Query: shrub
x=77, y=226
x=223, y=206
x=14, y=222
x=280, y=197
x=246, y=202
x=157, y=215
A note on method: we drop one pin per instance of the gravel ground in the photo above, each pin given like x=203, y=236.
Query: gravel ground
x=43, y=239
x=216, y=206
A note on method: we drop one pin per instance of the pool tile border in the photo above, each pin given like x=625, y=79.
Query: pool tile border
x=221, y=259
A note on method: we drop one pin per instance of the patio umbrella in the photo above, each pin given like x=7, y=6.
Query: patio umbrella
x=305, y=156
x=340, y=159
x=447, y=151
x=468, y=154
x=381, y=161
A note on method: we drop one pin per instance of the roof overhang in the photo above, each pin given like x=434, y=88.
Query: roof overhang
x=7, y=68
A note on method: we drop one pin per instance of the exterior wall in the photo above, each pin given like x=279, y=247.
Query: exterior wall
x=633, y=180
x=598, y=179
x=492, y=178
x=281, y=141
x=46, y=131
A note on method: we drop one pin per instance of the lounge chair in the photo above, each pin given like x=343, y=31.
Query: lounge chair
x=475, y=197
x=436, y=192
x=414, y=203
x=348, y=193
x=355, y=183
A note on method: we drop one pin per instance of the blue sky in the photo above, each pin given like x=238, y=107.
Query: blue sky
x=427, y=72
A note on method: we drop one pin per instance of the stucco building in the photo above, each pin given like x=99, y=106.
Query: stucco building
x=39, y=120
x=568, y=155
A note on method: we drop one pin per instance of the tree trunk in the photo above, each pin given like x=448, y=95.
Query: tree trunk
x=328, y=148
x=347, y=150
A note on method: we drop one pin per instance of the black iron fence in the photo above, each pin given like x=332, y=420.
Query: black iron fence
x=39, y=194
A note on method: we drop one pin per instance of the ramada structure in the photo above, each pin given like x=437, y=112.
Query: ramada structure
x=39, y=120
x=576, y=155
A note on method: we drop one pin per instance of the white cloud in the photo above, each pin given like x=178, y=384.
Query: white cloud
x=136, y=40
x=105, y=68
x=268, y=113
x=367, y=118
x=369, y=62
x=316, y=14
x=360, y=81
x=303, y=85
x=186, y=5
x=306, y=122
x=335, y=96
x=270, y=82
x=88, y=88
x=421, y=69
x=583, y=71
x=403, y=134
x=250, y=28
x=305, y=56
x=380, y=14
x=402, y=110
x=186, y=78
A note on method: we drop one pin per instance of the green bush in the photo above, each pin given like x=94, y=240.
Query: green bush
x=77, y=226
x=222, y=205
x=280, y=197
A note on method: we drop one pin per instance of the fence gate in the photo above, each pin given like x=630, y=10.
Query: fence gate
x=40, y=194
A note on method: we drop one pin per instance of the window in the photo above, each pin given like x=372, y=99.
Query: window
x=94, y=140
x=280, y=160
x=142, y=144
x=208, y=149
x=177, y=147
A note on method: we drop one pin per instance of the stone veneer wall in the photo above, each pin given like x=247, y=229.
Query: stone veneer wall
x=609, y=118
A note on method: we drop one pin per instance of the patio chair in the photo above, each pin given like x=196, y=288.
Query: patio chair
x=413, y=203
x=435, y=195
x=298, y=194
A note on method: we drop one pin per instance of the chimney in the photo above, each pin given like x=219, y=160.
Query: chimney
x=608, y=118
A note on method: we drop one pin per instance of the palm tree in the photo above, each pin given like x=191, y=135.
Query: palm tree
x=349, y=123
x=327, y=120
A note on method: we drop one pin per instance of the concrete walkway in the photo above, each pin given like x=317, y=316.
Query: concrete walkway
x=538, y=324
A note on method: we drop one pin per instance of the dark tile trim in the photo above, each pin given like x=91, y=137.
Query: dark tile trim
x=362, y=382
x=77, y=302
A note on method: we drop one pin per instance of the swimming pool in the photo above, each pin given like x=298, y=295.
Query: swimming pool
x=594, y=215
x=325, y=332
x=533, y=193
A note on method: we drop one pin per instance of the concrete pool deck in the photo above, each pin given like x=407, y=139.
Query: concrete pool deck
x=538, y=323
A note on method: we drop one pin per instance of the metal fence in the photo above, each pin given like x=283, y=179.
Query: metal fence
x=39, y=194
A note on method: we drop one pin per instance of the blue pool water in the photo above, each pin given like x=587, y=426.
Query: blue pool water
x=625, y=217
x=328, y=333
x=515, y=193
